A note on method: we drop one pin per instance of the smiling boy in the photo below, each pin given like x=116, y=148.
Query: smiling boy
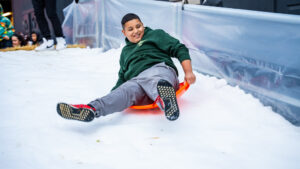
x=147, y=73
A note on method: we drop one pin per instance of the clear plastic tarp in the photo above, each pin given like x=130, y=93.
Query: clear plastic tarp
x=257, y=51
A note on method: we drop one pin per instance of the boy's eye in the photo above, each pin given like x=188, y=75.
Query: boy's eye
x=130, y=29
x=138, y=26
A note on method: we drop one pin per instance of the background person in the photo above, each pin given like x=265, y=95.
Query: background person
x=18, y=40
x=48, y=42
x=34, y=38
x=6, y=30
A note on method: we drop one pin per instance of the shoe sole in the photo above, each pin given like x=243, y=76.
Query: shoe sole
x=168, y=96
x=73, y=113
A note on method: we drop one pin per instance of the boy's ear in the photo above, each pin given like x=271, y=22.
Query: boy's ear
x=123, y=32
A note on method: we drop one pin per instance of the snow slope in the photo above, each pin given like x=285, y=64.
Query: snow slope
x=219, y=127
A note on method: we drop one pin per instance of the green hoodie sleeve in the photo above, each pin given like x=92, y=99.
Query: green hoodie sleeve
x=172, y=46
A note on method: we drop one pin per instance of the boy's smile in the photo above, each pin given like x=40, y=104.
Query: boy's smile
x=134, y=30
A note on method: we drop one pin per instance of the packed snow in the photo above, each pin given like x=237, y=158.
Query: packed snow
x=220, y=126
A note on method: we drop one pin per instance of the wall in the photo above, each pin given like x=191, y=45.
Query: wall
x=258, y=5
x=280, y=6
x=288, y=6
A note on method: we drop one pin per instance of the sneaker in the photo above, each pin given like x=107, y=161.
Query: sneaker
x=167, y=100
x=61, y=43
x=79, y=112
x=46, y=45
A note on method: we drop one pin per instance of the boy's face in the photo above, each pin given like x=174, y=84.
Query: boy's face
x=134, y=30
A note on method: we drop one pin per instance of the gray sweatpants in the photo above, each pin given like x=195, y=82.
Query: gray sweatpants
x=139, y=90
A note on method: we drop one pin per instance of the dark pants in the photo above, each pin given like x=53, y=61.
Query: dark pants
x=5, y=44
x=50, y=6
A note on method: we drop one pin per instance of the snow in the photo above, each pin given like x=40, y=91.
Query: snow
x=220, y=126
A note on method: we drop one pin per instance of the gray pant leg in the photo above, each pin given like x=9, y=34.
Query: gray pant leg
x=149, y=78
x=119, y=99
x=137, y=91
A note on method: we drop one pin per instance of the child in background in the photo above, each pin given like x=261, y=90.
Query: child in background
x=18, y=40
x=34, y=38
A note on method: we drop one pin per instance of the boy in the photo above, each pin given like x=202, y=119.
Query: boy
x=146, y=72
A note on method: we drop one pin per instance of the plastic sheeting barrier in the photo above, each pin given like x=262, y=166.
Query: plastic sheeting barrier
x=257, y=51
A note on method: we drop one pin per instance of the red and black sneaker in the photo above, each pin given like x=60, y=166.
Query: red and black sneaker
x=79, y=112
x=167, y=100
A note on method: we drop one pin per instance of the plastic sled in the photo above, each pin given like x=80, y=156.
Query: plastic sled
x=183, y=87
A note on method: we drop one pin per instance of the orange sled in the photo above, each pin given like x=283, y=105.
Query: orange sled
x=183, y=86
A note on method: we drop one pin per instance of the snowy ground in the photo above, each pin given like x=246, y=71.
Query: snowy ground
x=219, y=127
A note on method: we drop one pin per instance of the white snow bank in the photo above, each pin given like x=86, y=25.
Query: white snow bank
x=219, y=127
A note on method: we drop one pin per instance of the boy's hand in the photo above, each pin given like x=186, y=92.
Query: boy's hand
x=190, y=77
x=188, y=71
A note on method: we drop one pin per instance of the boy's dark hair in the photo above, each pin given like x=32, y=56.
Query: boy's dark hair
x=129, y=17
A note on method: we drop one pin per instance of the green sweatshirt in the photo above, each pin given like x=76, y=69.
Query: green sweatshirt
x=155, y=47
